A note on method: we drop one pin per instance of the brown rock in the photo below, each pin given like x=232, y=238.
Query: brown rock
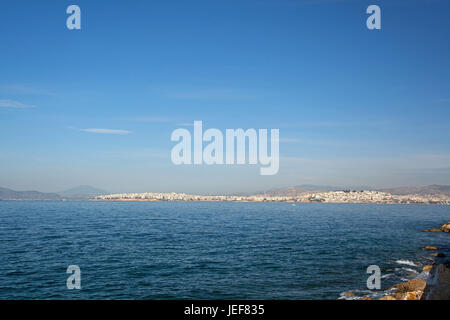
x=409, y=295
x=430, y=248
x=349, y=294
x=413, y=285
x=413, y=295
x=438, y=254
x=433, y=230
x=427, y=268
x=365, y=298
x=446, y=227
x=387, y=298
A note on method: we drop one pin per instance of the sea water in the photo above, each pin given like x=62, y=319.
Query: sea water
x=211, y=250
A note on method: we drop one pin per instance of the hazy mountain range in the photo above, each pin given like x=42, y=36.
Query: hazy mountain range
x=8, y=194
x=433, y=189
x=77, y=193
x=295, y=190
x=82, y=192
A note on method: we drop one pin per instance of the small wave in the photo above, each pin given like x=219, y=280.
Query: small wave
x=349, y=298
x=404, y=279
x=357, y=294
x=424, y=275
x=406, y=262
x=410, y=270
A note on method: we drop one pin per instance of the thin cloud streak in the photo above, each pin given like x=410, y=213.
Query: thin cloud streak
x=106, y=131
x=23, y=90
x=13, y=104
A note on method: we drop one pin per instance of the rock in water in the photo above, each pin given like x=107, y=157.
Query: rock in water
x=438, y=255
x=430, y=248
x=433, y=230
x=427, y=268
x=349, y=294
x=446, y=227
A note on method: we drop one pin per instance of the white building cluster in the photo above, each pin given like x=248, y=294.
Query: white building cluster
x=348, y=196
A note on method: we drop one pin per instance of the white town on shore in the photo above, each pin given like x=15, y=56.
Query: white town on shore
x=346, y=196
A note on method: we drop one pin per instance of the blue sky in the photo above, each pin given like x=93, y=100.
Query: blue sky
x=354, y=106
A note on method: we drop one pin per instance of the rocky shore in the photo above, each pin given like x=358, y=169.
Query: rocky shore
x=444, y=228
x=436, y=286
x=438, y=283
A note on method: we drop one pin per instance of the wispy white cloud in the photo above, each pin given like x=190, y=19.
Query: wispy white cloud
x=13, y=104
x=105, y=131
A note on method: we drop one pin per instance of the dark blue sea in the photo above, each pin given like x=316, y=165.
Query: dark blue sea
x=200, y=250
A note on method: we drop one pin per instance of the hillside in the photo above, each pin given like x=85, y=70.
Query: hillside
x=297, y=190
x=8, y=194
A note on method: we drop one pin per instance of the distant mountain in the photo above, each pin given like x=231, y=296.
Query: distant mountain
x=427, y=190
x=296, y=190
x=82, y=193
x=8, y=194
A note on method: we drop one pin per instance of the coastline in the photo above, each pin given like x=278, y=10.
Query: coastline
x=347, y=196
x=249, y=201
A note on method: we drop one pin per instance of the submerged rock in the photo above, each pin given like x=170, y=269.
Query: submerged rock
x=446, y=227
x=387, y=298
x=430, y=248
x=438, y=255
x=433, y=230
x=427, y=268
x=349, y=294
